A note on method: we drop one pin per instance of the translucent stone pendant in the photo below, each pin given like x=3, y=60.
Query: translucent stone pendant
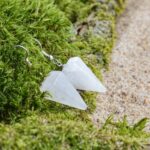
x=61, y=90
x=81, y=77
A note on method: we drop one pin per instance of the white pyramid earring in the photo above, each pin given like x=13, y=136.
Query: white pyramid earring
x=62, y=91
x=59, y=87
x=81, y=76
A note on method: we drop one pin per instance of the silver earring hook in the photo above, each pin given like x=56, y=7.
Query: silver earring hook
x=27, y=54
x=50, y=57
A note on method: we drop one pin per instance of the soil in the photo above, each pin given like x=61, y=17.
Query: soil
x=128, y=80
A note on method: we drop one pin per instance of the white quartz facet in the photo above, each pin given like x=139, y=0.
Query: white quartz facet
x=62, y=90
x=81, y=76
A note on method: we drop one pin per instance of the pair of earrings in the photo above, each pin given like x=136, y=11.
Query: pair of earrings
x=62, y=86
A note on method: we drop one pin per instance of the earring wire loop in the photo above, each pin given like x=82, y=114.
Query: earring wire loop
x=27, y=54
x=50, y=57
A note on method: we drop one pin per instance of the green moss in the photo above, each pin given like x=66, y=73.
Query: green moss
x=45, y=21
x=50, y=131
x=20, y=83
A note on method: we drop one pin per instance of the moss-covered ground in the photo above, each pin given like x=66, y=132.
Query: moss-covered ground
x=65, y=28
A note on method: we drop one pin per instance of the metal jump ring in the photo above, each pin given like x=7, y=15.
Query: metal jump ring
x=57, y=62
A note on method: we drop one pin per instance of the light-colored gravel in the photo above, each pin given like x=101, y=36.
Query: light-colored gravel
x=128, y=80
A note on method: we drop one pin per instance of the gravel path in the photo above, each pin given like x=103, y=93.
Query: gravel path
x=128, y=80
